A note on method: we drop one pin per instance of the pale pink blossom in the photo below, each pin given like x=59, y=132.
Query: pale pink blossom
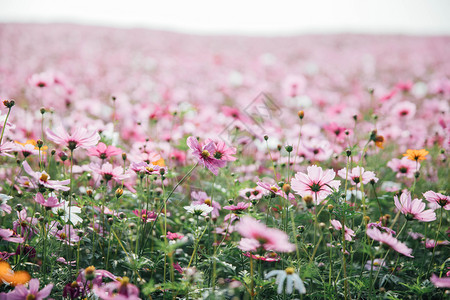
x=388, y=239
x=414, y=209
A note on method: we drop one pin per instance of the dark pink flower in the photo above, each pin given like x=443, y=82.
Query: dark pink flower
x=174, y=235
x=317, y=183
x=222, y=151
x=79, y=138
x=104, y=152
x=389, y=240
x=145, y=215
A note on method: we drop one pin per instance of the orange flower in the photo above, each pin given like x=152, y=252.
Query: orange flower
x=416, y=155
x=379, y=140
x=9, y=276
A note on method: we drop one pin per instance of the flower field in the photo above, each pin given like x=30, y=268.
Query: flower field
x=140, y=164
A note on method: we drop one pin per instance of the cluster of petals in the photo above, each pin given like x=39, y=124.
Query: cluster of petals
x=403, y=167
x=80, y=137
x=316, y=183
x=349, y=233
x=257, y=235
x=43, y=179
x=388, y=239
x=357, y=175
x=437, y=200
x=414, y=209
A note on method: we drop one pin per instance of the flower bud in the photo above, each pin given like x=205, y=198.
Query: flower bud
x=119, y=192
x=42, y=110
x=124, y=156
x=301, y=114
x=330, y=207
x=286, y=188
x=288, y=148
x=39, y=143
x=19, y=207
x=9, y=103
x=266, y=137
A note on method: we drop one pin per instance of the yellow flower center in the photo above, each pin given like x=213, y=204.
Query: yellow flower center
x=205, y=153
x=290, y=271
x=30, y=297
x=149, y=169
x=274, y=189
x=44, y=177
x=90, y=270
x=208, y=201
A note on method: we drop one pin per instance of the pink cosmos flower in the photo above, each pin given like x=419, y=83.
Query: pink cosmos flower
x=43, y=179
x=91, y=275
x=317, y=183
x=7, y=147
x=27, y=149
x=349, y=233
x=437, y=200
x=79, y=138
x=104, y=152
x=28, y=225
x=10, y=236
x=22, y=293
x=117, y=290
x=64, y=233
x=174, y=236
x=414, y=209
x=253, y=194
x=145, y=168
x=201, y=197
x=3, y=203
x=257, y=235
x=443, y=282
x=380, y=227
x=356, y=174
x=404, y=109
x=205, y=155
x=145, y=215
x=403, y=167
x=429, y=243
x=389, y=240
x=376, y=264
x=108, y=172
x=223, y=152
x=239, y=208
x=50, y=202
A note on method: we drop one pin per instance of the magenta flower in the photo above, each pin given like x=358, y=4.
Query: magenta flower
x=403, y=167
x=388, y=239
x=443, y=282
x=49, y=203
x=356, y=174
x=108, y=172
x=349, y=233
x=22, y=293
x=414, y=209
x=10, y=236
x=317, y=183
x=205, y=155
x=79, y=138
x=104, y=152
x=257, y=235
x=437, y=200
x=43, y=179
x=174, y=236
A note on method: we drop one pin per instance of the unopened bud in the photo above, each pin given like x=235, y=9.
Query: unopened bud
x=286, y=188
x=9, y=103
x=330, y=207
x=119, y=193
x=42, y=110
x=416, y=174
x=266, y=137
x=124, y=156
x=301, y=114
x=89, y=192
x=39, y=143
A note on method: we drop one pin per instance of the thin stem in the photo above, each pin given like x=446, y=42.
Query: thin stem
x=4, y=125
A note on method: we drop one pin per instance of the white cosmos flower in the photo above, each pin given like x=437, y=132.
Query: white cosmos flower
x=292, y=280
x=199, y=209
x=68, y=213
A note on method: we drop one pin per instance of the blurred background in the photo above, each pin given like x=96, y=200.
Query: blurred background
x=250, y=17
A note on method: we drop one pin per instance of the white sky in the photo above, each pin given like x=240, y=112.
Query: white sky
x=250, y=17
